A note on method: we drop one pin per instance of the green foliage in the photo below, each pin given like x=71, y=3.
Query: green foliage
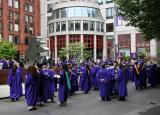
x=127, y=58
x=142, y=14
x=75, y=50
x=7, y=49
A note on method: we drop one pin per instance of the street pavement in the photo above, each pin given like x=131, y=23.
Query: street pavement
x=145, y=102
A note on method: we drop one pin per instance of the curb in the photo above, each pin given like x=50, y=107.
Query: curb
x=2, y=98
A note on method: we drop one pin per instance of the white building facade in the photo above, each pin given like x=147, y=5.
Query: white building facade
x=77, y=21
x=93, y=22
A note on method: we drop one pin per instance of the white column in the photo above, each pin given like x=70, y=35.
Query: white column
x=133, y=42
x=104, y=48
x=95, y=49
x=153, y=48
x=67, y=44
x=81, y=41
x=56, y=50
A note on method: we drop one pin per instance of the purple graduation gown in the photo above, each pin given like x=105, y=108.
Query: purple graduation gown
x=122, y=83
x=85, y=80
x=150, y=72
x=48, y=83
x=103, y=86
x=31, y=90
x=74, y=82
x=15, y=83
x=63, y=90
x=93, y=73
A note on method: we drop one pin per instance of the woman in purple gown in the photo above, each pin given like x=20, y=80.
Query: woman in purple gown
x=15, y=82
x=31, y=88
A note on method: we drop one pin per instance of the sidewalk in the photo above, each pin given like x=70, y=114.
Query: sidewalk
x=5, y=91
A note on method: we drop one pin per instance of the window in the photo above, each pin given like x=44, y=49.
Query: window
x=109, y=27
x=57, y=13
x=10, y=38
x=30, y=8
x=77, y=25
x=10, y=3
x=109, y=12
x=26, y=7
x=77, y=11
x=16, y=4
x=30, y=19
x=71, y=25
x=10, y=26
x=99, y=1
x=49, y=8
x=16, y=40
x=26, y=18
x=63, y=12
x=1, y=25
x=63, y=26
x=0, y=11
x=31, y=30
x=16, y=16
x=71, y=12
x=109, y=1
x=57, y=27
x=26, y=29
x=102, y=27
x=98, y=26
x=85, y=25
x=61, y=41
x=91, y=25
x=74, y=38
x=16, y=27
x=26, y=41
x=51, y=28
x=10, y=14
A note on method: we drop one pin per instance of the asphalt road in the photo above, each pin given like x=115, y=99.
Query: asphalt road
x=145, y=102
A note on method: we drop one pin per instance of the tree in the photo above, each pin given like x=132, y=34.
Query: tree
x=75, y=51
x=142, y=14
x=7, y=49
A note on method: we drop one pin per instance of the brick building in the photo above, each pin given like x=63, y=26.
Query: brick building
x=19, y=21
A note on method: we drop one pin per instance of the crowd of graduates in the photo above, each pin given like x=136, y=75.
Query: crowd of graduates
x=110, y=78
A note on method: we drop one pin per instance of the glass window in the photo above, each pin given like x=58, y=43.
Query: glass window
x=16, y=40
x=30, y=8
x=109, y=27
x=64, y=12
x=84, y=12
x=63, y=26
x=0, y=25
x=10, y=14
x=91, y=24
x=70, y=25
x=78, y=12
x=31, y=19
x=26, y=41
x=57, y=26
x=71, y=12
x=0, y=11
x=26, y=18
x=10, y=26
x=10, y=38
x=109, y=1
x=10, y=3
x=89, y=11
x=98, y=26
x=16, y=4
x=102, y=27
x=109, y=12
x=16, y=27
x=85, y=25
x=77, y=25
x=51, y=28
x=57, y=14
x=49, y=8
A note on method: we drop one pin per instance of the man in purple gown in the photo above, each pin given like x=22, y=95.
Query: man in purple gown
x=103, y=78
x=32, y=88
x=85, y=79
x=15, y=82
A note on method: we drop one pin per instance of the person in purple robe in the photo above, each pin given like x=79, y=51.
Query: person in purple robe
x=5, y=64
x=103, y=78
x=85, y=79
x=48, y=76
x=10, y=63
x=64, y=85
x=121, y=83
x=32, y=88
x=138, y=76
x=15, y=82
x=151, y=74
